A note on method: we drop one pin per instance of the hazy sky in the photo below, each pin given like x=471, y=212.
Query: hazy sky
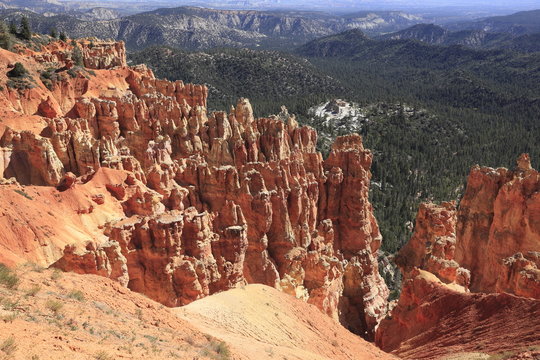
x=419, y=3
x=432, y=3
x=486, y=4
x=479, y=7
x=416, y=3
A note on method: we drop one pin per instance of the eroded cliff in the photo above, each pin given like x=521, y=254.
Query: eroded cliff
x=135, y=181
x=499, y=229
x=471, y=275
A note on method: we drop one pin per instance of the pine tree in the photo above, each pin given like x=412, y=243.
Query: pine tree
x=5, y=38
x=63, y=36
x=13, y=28
x=25, y=32
x=54, y=33
x=77, y=56
x=18, y=71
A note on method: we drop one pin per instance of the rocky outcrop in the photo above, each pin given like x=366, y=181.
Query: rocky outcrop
x=494, y=234
x=32, y=159
x=493, y=238
x=522, y=275
x=94, y=53
x=177, y=257
x=106, y=260
x=103, y=55
x=499, y=217
x=434, y=320
x=345, y=202
x=5, y=158
x=433, y=244
x=210, y=201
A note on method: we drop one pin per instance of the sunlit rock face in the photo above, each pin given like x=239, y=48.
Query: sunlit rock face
x=177, y=203
x=499, y=229
x=476, y=266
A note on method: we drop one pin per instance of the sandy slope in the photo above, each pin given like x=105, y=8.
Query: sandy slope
x=261, y=322
x=37, y=222
x=54, y=315
x=104, y=321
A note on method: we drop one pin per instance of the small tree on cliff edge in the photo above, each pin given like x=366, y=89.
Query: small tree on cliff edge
x=63, y=36
x=13, y=28
x=25, y=32
x=77, y=56
x=54, y=33
x=18, y=71
x=5, y=37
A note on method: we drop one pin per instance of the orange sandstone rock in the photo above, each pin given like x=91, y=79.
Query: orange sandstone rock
x=205, y=202
x=494, y=234
x=499, y=216
x=434, y=320
x=433, y=245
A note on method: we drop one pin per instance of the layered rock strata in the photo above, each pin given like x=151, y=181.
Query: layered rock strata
x=499, y=229
x=490, y=245
x=437, y=321
x=433, y=245
x=204, y=202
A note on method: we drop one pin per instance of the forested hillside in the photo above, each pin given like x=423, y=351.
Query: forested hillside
x=523, y=22
x=269, y=78
x=478, y=39
x=485, y=106
x=468, y=106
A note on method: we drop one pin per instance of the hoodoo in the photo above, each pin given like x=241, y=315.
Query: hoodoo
x=128, y=177
x=106, y=170
x=490, y=246
x=499, y=229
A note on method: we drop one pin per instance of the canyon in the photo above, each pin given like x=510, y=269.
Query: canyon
x=176, y=203
x=472, y=273
x=106, y=170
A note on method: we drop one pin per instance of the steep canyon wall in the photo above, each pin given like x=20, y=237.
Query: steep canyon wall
x=177, y=203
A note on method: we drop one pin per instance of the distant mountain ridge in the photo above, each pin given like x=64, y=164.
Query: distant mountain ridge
x=437, y=35
x=98, y=13
x=196, y=28
x=520, y=23
x=34, y=5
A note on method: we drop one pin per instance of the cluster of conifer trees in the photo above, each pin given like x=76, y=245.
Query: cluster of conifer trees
x=7, y=32
x=10, y=33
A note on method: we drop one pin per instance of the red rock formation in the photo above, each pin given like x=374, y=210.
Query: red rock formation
x=106, y=260
x=95, y=54
x=345, y=202
x=101, y=55
x=48, y=108
x=522, y=275
x=208, y=201
x=33, y=159
x=434, y=319
x=499, y=216
x=433, y=244
x=495, y=234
